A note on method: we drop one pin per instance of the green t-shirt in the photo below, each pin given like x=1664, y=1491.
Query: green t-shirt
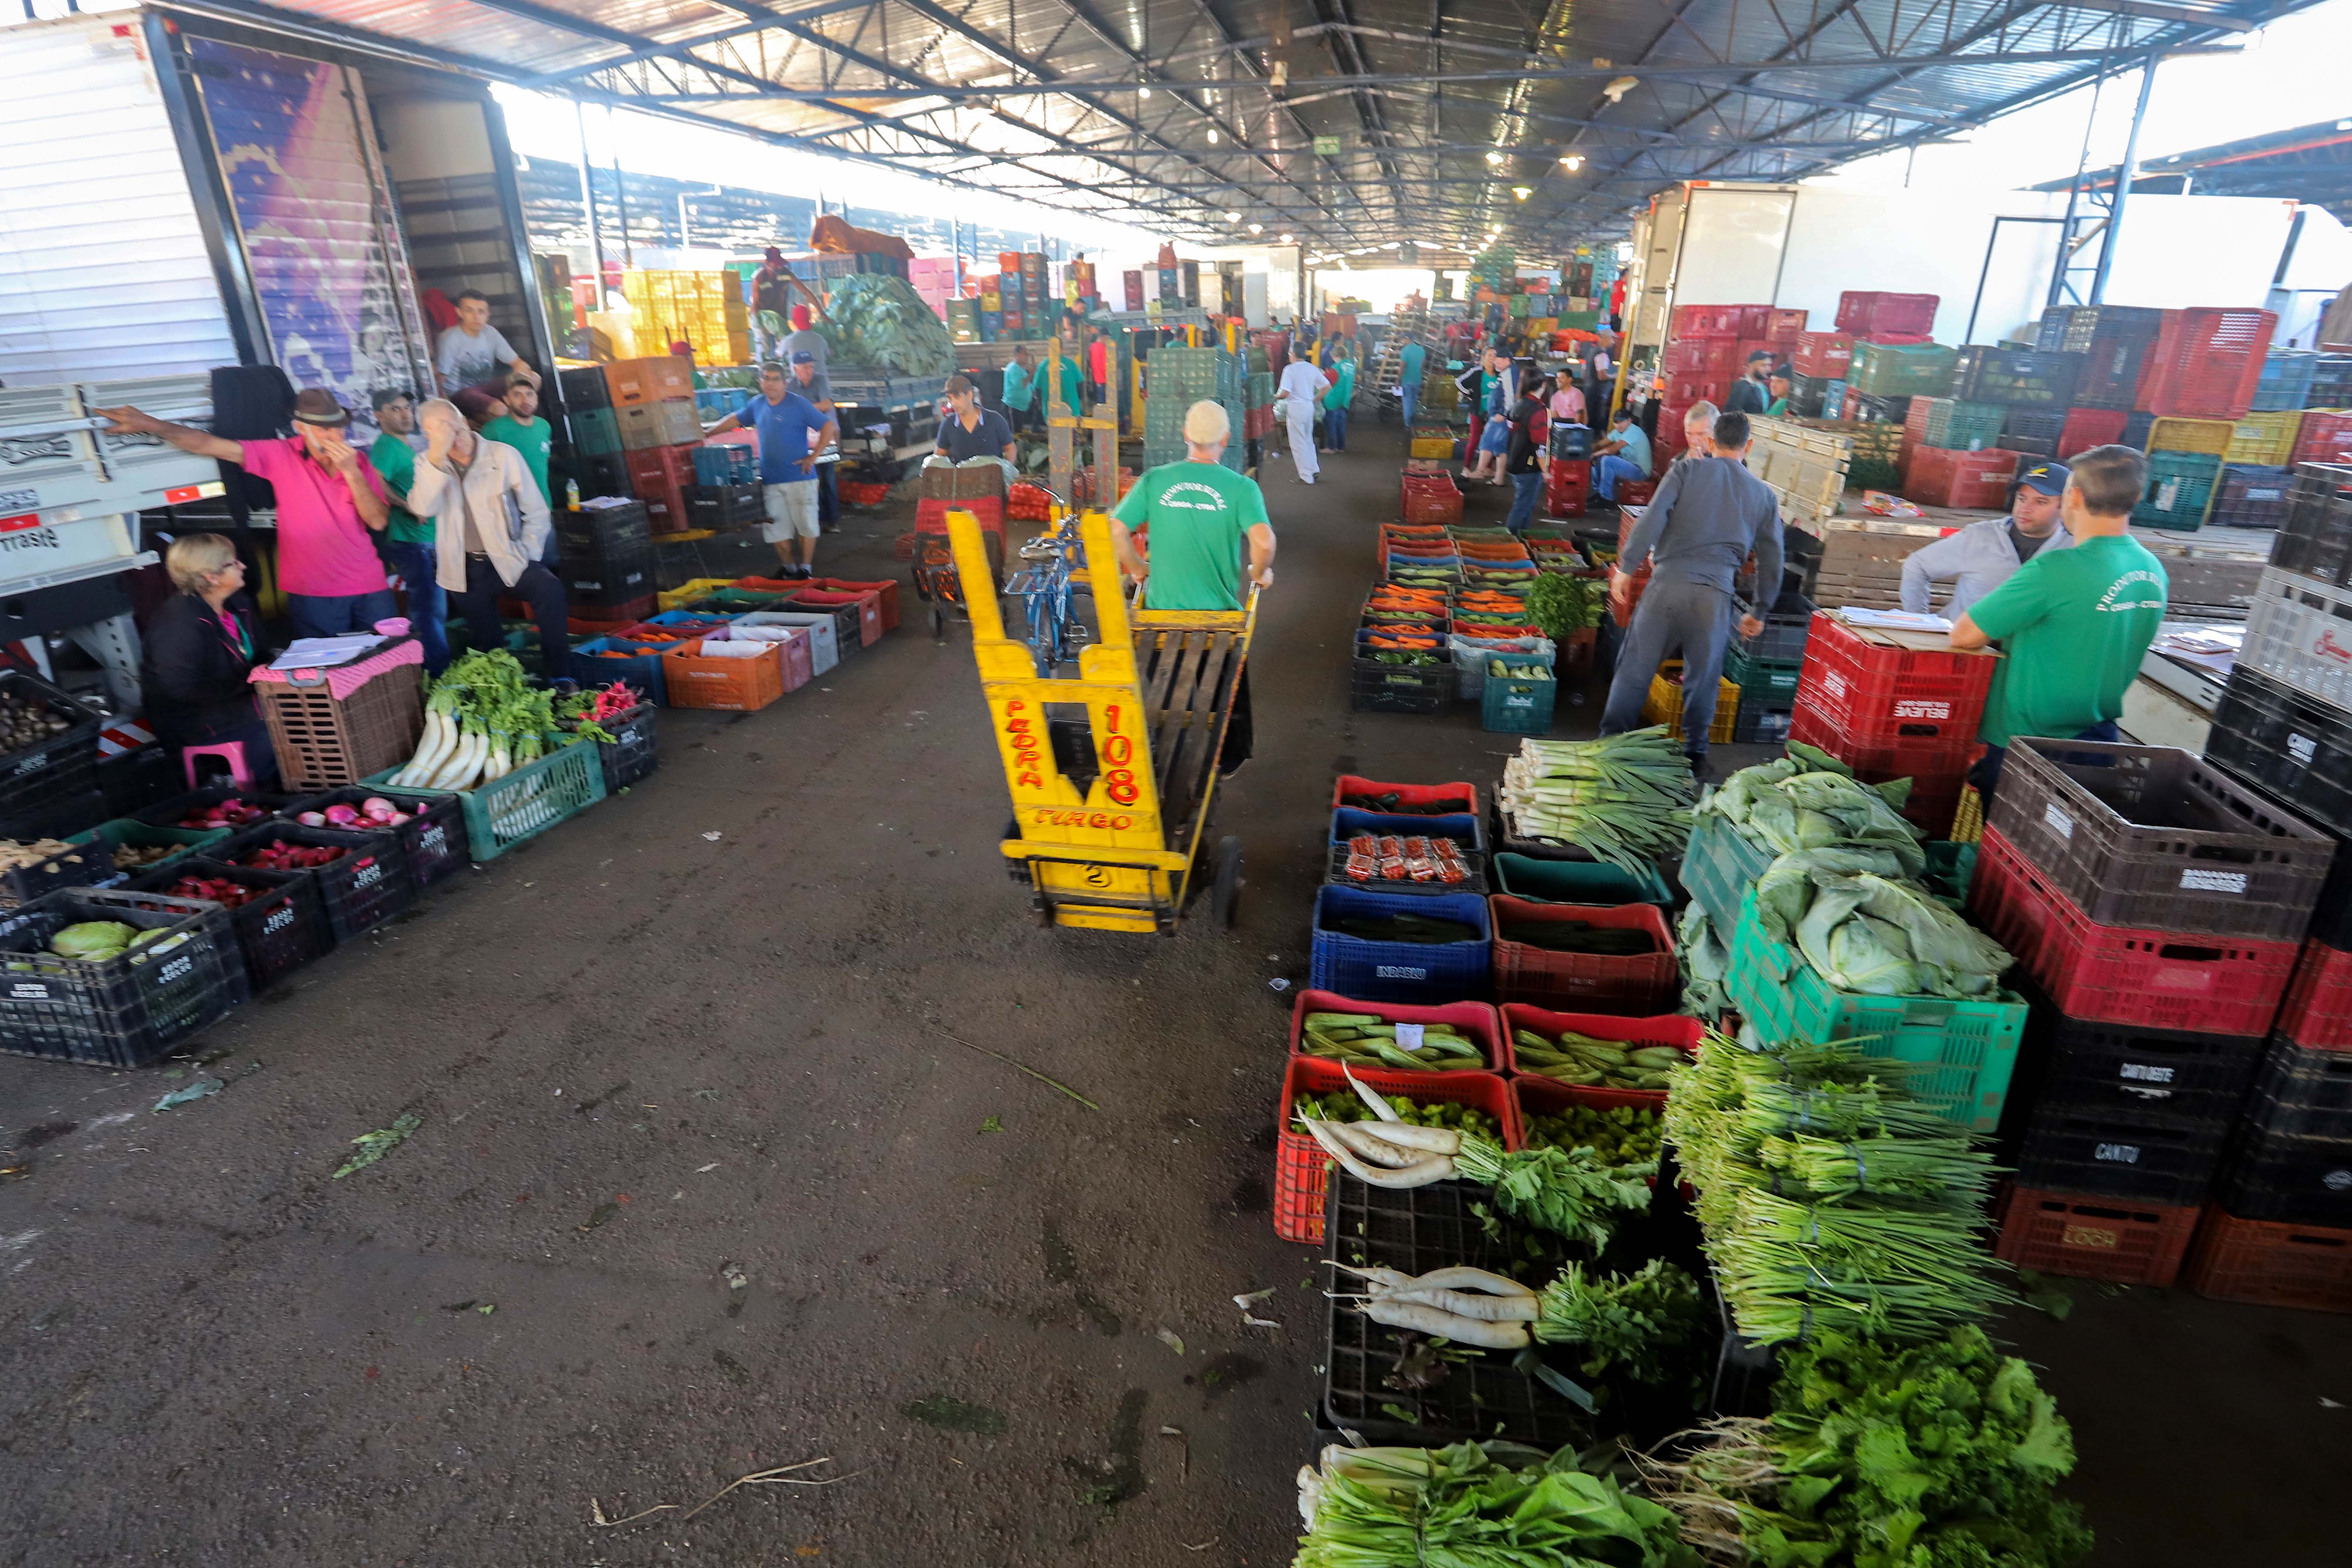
x=1198, y=514
x=2074, y=626
x=532, y=440
x=396, y=461
x=1074, y=386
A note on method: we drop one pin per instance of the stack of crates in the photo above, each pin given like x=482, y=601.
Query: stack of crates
x=2159, y=906
x=707, y=310
x=607, y=562
x=1894, y=704
x=1766, y=668
x=653, y=406
x=1705, y=352
x=1174, y=379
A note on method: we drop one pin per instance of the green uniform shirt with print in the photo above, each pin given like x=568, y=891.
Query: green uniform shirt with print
x=396, y=461
x=1199, y=513
x=532, y=440
x=2074, y=626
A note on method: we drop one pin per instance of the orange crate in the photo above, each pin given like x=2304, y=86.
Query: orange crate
x=2266, y=1263
x=1302, y=1171
x=888, y=590
x=737, y=685
x=2095, y=1238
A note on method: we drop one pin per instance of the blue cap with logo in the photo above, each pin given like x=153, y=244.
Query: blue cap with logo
x=2047, y=478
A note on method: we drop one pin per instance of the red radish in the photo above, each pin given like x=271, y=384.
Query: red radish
x=312, y=819
x=342, y=815
x=379, y=808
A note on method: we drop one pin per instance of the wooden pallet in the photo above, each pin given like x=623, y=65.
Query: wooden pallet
x=1187, y=679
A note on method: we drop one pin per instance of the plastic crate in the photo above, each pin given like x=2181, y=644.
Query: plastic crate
x=1718, y=866
x=2028, y=378
x=1477, y=1020
x=2086, y=1237
x=2115, y=357
x=2263, y=1263
x=1900, y=370
x=2208, y=363
x=1511, y=706
x=1969, y=1047
x=35, y=778
x=2151, y=837
x=1445, y=799
x=1890, y=318
x=1787, y=627
x=2078, y=327
x=616, y=575
x=2324, y=436
x=122, y=1012
x=2206, y=436
x=1400, y=970
x=2147, y=1154
x=2122, y=974
x=1692, y=356
x=526, y=803
x=2316, y=541
x=323, y=740
x=2280, y=1177
x=1577, y=882
x=1717, y=320
x=2042, y=427
x=2317, y=1012
x=824, y=630
x=1641, y=986
x=641, y=666
x=170, y=812
x=279, y=932
x=2301, y=1092
x=1665, y=704
x=2299, y=634
x=434, y=838
x=2299, y=749
x=2086, y=1065
x=1659, y=1029
x=1484, y=1396
x=133, y=779
x=95, y=866
x=885, y=592
x=1878, y=693
x=1937, y=764
x=1968, y=481
x=367, y=886
x=1826, y=355
x=1462, y=828
x=1761, y=726
x=1374, y=687
x=1763, y=683
x=2264, y=439
x=2252, y=497
x=1302, y=1170
x=2088, y=428
x=734, y=684
x=80, y=865
x=632, y=753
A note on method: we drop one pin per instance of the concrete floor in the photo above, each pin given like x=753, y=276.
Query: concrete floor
x=695, y=1127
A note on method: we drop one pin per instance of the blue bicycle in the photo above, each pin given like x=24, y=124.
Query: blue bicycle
x=1044, y=586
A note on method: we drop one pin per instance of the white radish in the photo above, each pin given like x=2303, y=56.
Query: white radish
x=1371, y=1096
x=1466, y=1304
x=1447, y=1325
x=1405, y=1134
x=1369, y=1149
x=433, y=752
x=1420, y=1173
x=1463, y=1277
x=1381, y=1278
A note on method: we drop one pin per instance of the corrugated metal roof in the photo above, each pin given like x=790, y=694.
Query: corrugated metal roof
x=1179, y=113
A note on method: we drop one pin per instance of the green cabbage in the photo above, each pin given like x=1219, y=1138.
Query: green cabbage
x=93, y=940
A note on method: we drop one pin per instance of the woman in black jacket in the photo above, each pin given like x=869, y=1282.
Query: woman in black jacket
x=200, y=644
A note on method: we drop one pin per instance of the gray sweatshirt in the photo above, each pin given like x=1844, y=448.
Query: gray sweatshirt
x=1708, y=514
x=1978, y=559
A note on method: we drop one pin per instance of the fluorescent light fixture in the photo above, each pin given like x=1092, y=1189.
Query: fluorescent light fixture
x=1522, y=192
x=1494, y=154
x=1232, y=217
x=1143, y=92
x=1284, y=239
x=1572, y=162
x=1212, y=136
x=1257, y=228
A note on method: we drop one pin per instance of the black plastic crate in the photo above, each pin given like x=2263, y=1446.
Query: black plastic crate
x=2084, y=1066
x=1415, y=1230
x=1865, y=408
x=1377, y=688
x=2028, y=447
x=145, y=776
x=723, y=507
x=2148, y=1153
x=633, y=752
x=2042, y=427
x=1761, y=726
x=1744, y=1370
x=618, y=576
x=2078, y=327
x=434, y=837
x=121, y=1012
x=170, y=812
x=2302, y=1094
x=2029, y=377
x=583, y=386
x=2315, y=539
x=600, y=530
x=2295, y=1181
x=1782, y=641
x=277, y=932
x=2252, y=496
x=368, y=885
x=2298, y=751
x=59, y=766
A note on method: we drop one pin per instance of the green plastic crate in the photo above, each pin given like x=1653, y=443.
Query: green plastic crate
x=129, y=830
x=2180, y=490
x=1771, y=682
x=1718, y=866
x=1579, y=882
x=1971, y=1046
x=1509, y=707
x=529, y=801
x=1902, y=370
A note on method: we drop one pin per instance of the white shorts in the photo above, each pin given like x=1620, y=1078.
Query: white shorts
x=791, y=509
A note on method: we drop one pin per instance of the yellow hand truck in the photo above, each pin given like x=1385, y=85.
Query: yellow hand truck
x=1114, y=773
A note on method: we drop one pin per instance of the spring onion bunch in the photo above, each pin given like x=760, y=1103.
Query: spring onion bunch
x=1624, y=799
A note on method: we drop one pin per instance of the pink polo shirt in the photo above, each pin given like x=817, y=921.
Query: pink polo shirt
x=322, y=546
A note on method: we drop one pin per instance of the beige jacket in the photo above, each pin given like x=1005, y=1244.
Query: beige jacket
x=508, y=509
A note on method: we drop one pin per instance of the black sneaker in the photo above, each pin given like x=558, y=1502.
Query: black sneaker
x=1700, y=771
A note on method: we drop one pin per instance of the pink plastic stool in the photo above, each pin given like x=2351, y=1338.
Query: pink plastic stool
x=230, y=751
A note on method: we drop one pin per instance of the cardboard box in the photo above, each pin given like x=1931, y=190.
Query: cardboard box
x=635, y=381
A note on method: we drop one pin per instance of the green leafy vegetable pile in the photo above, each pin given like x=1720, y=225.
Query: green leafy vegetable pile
x=1561, y=604
x=1638, y=1324
x=874, y=319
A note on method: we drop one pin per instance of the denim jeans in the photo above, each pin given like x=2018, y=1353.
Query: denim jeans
x=1408, y=399
x=1526, y=491
x=428, y=601
x=1609, y=470
x=1335, y=429
x=540, y=589
x=1689, y=617
x=333, y=614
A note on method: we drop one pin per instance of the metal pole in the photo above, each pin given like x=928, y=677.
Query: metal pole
x=2125, y=173
x=2074, y=199
x=588, y=200
x=621, y=197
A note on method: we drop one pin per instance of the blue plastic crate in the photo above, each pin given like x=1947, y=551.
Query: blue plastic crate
x=643, y=671
x=2287, y=380
x=1402, y=970
x=725, y=463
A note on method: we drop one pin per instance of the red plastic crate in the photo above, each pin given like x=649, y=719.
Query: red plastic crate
x=1641, y=985
x=1978, y=481
x=1686, y=390
x=887, y=589
x=1411, y=794
x=2115, y=975
x=2207, y=365
x=2318, y=1012
x=1717, y=357
x=1881, y=696
x=869, y=608
x=1302, y=1171
x=1826, y=355
x=932, y=513
x=1885, y=318
x=1430, y=497
x=1938, y=768
x=2092, y=1236
x=2325, y=436
x=2088, y=428
x=1476, y=1019
x=1675, y=1030
x=2265, y=1263
x=1718, y=320
x=1785, y=326
x=1635, y=492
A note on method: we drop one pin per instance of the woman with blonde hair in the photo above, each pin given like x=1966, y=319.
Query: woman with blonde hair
x=200, y=645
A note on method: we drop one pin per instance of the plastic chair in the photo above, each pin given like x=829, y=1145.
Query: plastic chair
x=230, y=751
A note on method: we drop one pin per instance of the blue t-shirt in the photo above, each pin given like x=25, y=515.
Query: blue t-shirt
x=785, y=429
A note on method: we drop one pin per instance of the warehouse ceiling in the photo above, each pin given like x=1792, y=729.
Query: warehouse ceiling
x=1345, y=124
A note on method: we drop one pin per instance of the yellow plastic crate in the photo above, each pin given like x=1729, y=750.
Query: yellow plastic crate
x=1438, y=446
x=1968, y=823
x=681, y=598
x=2267, y=439
x=2213, y=435
x=1665, y=705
